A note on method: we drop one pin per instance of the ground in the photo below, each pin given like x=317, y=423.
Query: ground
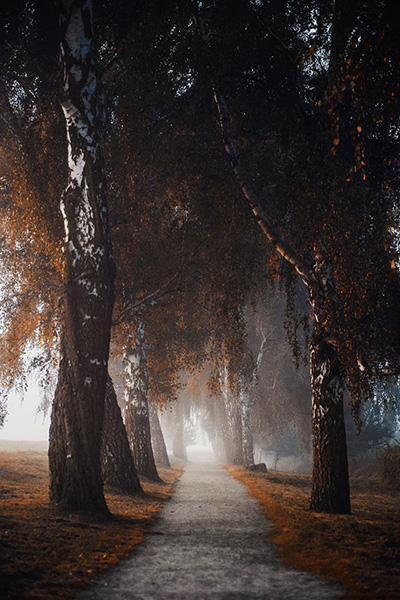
x=360, y=551
x=44, y=554
x=210, y=543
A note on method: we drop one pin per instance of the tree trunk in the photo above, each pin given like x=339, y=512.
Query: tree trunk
x=157, y=438
x=247, y=436
x=75, y=432
x=178, y=445
x=330, y=477
x=226, y=434
x=234, y=422
x=214, y=423
x=275, y=462
x=117, y=465
x=137, y=420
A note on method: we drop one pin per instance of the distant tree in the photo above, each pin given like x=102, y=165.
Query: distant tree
x=281, y=395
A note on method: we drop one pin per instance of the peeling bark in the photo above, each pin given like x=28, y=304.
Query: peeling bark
x=76, y=425
x=137, y=420
x=117, y=465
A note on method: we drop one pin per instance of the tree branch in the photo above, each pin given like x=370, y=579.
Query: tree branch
x=243, y=179
x=150, y=299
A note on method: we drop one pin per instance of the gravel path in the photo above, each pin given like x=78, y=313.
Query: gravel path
x=209, y=543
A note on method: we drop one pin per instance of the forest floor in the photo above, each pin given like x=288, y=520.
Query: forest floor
x=47, y=555
x=44, y=554
x=361, y=552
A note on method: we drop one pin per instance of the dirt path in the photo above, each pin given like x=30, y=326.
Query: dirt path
x=210, y=543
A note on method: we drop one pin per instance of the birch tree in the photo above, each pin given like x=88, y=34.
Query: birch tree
x=76, y=421
x=334, y=353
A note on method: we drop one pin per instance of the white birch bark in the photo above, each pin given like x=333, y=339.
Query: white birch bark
x=75, y=433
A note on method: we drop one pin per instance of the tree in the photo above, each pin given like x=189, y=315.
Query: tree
x=157, y=438
x=77, y=414
x=137, y=419
x=117, y=465
x=317, y=258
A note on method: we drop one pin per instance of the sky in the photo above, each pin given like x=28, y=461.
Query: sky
x=22, y=423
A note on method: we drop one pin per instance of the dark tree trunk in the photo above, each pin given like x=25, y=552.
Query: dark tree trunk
x=137, y=421
x=74, y=457
x=157, y=438
x=117, y=465
x=330, y=477
x=76, y=426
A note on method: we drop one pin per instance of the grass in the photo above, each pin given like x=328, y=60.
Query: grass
x=45, y=554
x=361, y=552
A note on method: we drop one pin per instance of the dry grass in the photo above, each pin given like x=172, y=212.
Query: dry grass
x=44, y=554
x=361, y=551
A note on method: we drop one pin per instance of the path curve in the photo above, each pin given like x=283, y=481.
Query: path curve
x=211, y=542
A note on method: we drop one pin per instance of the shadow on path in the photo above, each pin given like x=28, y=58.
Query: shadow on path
x=210, y=542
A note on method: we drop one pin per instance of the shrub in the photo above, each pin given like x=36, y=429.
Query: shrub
x=389, y=465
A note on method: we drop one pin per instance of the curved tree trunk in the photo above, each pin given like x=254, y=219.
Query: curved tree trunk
x=117, y=465
x=330, y=476
x=157, y=438
x=330, y=491
x=137, y=420
x=76, y=425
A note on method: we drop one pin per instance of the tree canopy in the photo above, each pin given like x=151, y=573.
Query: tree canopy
x=232, y=147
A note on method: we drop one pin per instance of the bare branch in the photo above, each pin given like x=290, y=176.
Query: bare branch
x=149, y=300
